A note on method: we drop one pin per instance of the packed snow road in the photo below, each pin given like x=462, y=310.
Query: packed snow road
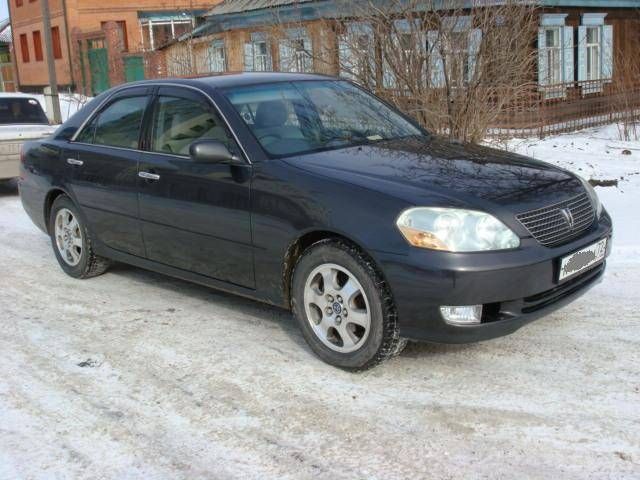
x=136, y=375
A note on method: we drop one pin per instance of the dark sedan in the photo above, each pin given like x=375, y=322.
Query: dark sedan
x=309, y=193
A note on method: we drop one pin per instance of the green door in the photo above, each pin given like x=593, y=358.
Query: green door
x=99, y=70
x=133, y=69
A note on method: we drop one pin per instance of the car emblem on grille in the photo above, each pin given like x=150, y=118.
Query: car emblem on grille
x=568, y=216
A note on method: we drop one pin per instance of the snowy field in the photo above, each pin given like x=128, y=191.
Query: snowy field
x=133, y=375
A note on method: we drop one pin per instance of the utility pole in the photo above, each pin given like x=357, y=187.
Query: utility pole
x=53, y=82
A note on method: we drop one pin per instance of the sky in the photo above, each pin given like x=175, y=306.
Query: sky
x=4, y=10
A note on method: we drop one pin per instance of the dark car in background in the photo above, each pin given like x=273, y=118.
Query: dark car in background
x=309, y=193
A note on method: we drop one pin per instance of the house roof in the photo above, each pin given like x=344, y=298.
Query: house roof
x=232, y=14
x=5, y=31
x=236, y=6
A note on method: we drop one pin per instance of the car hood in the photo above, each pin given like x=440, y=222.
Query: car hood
x=436, y=172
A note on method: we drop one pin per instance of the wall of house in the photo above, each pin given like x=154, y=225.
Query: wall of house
x=180, y=62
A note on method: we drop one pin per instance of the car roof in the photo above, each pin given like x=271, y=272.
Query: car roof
x=17, y=95
x=224, y=80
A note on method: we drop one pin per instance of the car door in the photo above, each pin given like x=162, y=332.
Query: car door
x=194, y=216
x=103, y=159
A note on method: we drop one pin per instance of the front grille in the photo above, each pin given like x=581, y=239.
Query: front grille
x=552, y=225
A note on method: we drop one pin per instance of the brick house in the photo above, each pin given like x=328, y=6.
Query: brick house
x=90, y=36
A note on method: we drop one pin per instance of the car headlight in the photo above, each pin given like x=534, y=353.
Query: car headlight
x=595, y=201
x=455, y=230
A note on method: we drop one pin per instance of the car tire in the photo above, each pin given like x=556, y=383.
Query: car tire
x=349, y=320
x=71, y=241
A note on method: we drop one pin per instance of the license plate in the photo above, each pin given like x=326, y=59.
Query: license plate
x=582, y=259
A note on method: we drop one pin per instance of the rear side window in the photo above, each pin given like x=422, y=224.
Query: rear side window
x=21, y=111
x=118, y=125
x=178, y=122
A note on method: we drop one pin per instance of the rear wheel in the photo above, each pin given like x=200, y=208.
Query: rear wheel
x=71, y=241
x=344, y=307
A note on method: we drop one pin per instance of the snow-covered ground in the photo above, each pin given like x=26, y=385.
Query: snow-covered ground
x=137, y=375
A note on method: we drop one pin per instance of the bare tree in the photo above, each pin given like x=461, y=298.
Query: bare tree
x=457, y=70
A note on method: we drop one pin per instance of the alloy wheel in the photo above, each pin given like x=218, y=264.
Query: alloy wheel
x=68, y=236
x=337, y=308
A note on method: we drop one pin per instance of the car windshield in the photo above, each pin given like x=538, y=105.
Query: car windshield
x=21, y=111
x=305, y=116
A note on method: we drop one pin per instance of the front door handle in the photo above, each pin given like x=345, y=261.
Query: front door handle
x=74, y=161
x=149, y=175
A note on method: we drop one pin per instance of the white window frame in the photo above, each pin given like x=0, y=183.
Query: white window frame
x=217, y=56
x=598, y=53
x=296, y=51
x=260, y=60
x=466, y=47
x=555, y=63
x=593, y=53
x=553, y=56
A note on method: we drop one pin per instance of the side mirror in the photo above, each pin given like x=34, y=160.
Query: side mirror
x=211, y=151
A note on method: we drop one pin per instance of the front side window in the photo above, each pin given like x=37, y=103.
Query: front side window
x=178, y=122
x=289, y=118
x=118, y=125
x=553, y=56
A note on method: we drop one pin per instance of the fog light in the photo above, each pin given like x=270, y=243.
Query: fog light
x=467, y=315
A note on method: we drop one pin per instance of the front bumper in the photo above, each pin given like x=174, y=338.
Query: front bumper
x=515, y=287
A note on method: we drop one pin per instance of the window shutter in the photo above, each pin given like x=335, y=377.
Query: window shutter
x=436, y=64
x=286, y=56
x=607, y=52
x=308, y=57
x=582, y=53
x=475, y=39
x=345, y=58
x=248, y=57
x=567, y=55
x=388, y=76
x=543, y=68
x=269, y=59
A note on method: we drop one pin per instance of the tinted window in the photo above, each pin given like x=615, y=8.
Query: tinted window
x=21, y=110
x=179, y=122
x=117, y=125
x=304, y=116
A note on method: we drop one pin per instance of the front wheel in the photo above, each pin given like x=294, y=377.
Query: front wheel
x=71, y=241
x=344, y=307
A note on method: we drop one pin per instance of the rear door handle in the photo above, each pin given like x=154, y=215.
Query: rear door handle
x=74, y=161
x=149, y=175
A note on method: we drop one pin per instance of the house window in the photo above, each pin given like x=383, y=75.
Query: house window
x=55, y=41
x=37, y=46
x=356, y=53
x=260, y=56
x=161, y=28
x=555, y=56
x=295, y=52
x=595, y=53
x=257, y=53
x=552, y=54
x=24, y=48
x=217, y=56
x=453, y=52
